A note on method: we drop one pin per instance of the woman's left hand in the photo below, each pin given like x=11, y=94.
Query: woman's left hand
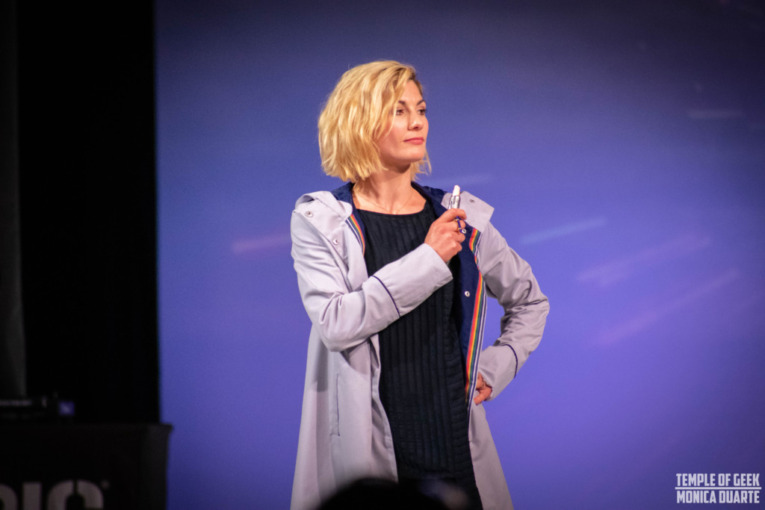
x=482, y=390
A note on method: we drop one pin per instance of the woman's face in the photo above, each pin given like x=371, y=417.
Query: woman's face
x=405, y=143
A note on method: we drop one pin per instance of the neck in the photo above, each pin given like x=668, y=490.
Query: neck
x=387, y=192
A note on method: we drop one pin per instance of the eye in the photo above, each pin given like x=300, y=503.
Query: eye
x=399, y=111
x=422, y=111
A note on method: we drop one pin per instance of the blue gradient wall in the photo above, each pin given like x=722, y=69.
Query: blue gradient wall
x=624, y=151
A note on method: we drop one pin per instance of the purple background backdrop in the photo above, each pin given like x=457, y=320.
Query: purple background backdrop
x=623, y=148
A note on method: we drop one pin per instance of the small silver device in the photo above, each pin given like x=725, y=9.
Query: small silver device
x=454, y=203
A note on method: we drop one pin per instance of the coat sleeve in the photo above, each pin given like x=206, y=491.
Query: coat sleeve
x=345, y=317
x=509, y=279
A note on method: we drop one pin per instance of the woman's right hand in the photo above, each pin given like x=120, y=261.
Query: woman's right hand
x=444, y=235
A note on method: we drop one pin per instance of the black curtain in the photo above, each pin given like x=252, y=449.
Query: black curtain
x=87, y=201
x=12, y=351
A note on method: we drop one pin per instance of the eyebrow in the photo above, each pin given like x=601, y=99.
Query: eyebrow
x=418, y=102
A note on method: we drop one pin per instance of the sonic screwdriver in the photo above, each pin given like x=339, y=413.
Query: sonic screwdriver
x=454, y=203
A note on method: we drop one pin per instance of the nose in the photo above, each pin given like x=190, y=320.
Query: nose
x=415, y=122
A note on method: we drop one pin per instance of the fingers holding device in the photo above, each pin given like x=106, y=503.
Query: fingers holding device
x=444, y=235
x=447, y=233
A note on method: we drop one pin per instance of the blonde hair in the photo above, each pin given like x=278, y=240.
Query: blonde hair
x=357, y=114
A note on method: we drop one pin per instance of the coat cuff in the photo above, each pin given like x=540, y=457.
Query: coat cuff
x=498, y=365
x=411, y=279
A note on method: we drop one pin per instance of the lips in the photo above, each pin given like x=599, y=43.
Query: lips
x=416, y=140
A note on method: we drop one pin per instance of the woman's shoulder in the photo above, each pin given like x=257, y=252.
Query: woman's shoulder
x=331, y=199
x=321, y=209
x=479, y=212
x=305, y=199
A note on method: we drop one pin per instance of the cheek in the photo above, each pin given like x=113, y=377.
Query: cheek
x=395, y=135
x=386, y=141
x=399, y=126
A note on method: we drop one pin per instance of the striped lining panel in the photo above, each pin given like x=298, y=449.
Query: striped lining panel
x=356, y=228
x=476, y=328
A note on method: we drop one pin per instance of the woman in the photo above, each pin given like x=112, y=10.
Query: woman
x=394, y=284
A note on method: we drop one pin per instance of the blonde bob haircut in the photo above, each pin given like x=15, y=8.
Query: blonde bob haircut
x=357, y=114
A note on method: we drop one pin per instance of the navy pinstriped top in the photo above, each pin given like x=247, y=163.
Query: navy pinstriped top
x=422, y=382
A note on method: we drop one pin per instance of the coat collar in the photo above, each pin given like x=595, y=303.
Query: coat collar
x=479, y=212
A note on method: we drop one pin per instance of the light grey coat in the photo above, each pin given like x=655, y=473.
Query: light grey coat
x=344, y=432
